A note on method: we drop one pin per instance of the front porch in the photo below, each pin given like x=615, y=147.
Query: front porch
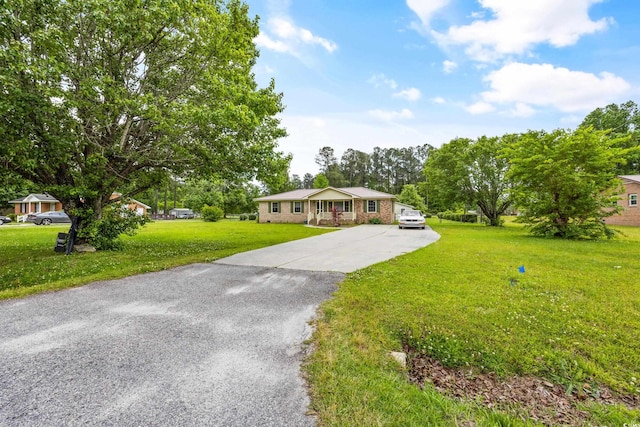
x=321, y=212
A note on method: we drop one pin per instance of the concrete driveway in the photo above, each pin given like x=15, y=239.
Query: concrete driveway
x=345, y=250
x=200, y=345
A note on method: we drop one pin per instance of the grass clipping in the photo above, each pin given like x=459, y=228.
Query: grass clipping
x=540, y=400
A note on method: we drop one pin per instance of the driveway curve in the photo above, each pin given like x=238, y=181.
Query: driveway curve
x=345, y=250
x=206, y=344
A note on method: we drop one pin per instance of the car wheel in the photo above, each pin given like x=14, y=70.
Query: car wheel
x=400, y=227
x=46, y=221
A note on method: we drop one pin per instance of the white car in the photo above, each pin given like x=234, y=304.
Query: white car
x=411, y=219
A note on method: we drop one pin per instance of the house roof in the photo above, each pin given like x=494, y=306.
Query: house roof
x=35, y=198
x=304, y=194
x=635, y=178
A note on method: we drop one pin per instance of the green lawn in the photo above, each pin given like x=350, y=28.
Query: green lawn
x=28, y=263
x=573, y=318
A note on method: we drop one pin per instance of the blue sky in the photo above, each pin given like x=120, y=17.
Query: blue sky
x=366, y=73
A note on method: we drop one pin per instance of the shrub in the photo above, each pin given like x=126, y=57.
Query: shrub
x=13, y=217
x=116, y=220
x=375, y=220
x=253, y=217
x=460, y=217
x=212, y=213
x=427, y=215
x=243, y=217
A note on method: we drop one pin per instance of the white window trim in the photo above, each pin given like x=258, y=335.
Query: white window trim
x=297, y=207
x=633, y=201
x=277, y=207
x=375, y=206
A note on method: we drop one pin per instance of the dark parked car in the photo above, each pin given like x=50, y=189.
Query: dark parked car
x=4, y=219
x=47, y=218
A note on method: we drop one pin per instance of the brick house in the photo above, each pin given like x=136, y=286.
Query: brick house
x=314, y=206
x=35, y=203
x=630, y=214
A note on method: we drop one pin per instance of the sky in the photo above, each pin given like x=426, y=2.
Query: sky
x=398, y=73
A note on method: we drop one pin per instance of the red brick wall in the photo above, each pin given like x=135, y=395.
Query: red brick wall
x=630, y=215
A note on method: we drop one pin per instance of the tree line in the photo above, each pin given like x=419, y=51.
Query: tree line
x=383, y=169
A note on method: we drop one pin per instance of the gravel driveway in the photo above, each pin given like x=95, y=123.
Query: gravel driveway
x=200, y=345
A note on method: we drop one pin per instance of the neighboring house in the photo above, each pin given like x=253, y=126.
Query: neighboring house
x=630, y=214
x=398, y=208
x=36, y=203
x=136, y=206
x=314, y=206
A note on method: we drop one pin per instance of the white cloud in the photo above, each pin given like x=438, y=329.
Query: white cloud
x=286, y=37
x=544, y=85
x=517, y=26
x=425, y=9
x=389, y=116
x=411, y=94
x=379, y=80
x=480, y=107
x=438, y=100
x=449, y=66
x=521, y=110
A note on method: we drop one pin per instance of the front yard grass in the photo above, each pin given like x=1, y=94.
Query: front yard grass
x=28, y=263
x=572, y=318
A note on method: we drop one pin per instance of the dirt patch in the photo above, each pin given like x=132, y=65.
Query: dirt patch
x=536, y=398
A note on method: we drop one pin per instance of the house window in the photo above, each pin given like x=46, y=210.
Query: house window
x=372, y=206
x=633, y=200
x=23, y=208
x=275, y=207
x=297, y=207
x=344, y=206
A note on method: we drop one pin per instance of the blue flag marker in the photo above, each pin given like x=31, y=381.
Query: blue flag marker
x=521, y=269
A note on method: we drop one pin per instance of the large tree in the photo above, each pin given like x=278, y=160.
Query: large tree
x=620, y=120
x=565, y=182
x=472, y=173
x=99, y=95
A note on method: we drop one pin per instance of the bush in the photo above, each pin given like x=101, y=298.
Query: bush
x=427, y=215
x=116, y=220
x=13, y=217
x=243, y=217
x=253, y=217
x=375, y=220
x=460, y=217
x=212, y=213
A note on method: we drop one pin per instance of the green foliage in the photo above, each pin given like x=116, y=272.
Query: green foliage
x=320, y=181
x=620, y=120
x=116, y=220
x=410, y=196
x=565, y=182
x=472, y=173
x=375, y=220
x=243, y=217
x=212, y=213
x=202, y=192
x=459, y=217
x=80, y=132
x=253, y=217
